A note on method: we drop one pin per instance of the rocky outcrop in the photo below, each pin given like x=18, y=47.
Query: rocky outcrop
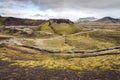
x=11, y=21
x=45, y=33
x=21, y=30
x=67, y=21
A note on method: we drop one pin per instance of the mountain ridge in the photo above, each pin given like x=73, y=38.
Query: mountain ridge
x=87, y=19
x=12, y=21
x=109, y=20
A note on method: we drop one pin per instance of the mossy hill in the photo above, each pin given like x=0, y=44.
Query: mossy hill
x=59, y=26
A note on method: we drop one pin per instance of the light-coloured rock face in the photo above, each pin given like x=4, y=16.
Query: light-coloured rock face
x=45, y=33
x=27, y=30
x=67, y=21
x=19, y=26
x=21, y=29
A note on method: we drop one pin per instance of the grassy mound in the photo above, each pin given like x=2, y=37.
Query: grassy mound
x=87, y=43
x=62, y=28
x=105, y=36
x=44, y=27
x=94, y=40
x=57, y=44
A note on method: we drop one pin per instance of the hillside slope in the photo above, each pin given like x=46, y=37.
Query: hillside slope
x=38, y=28
x=59, y=26
x=11, y=21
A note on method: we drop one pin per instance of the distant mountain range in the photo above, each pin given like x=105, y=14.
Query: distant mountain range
x=104, y=20
x=109, y=20
x=86, y=19
x=11, y=21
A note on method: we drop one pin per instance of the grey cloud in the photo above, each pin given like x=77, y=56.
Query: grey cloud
x=63, y=8
x=13, y=3
x=5, y=12
x=39, y=15
x=64, y=4
x=92, y=4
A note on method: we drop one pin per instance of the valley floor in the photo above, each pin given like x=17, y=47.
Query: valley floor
x=90, y=55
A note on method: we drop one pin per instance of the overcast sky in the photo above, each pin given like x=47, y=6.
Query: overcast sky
x=71, y=9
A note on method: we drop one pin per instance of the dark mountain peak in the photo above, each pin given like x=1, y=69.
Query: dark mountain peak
x=109, y=20
x=11, y=21
x=61, y=21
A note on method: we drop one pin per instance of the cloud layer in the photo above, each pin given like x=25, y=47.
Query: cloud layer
x=72, y=9
x=91, y=4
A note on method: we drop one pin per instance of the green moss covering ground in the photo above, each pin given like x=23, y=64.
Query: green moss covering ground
x=32, y=60
x=44, y=27
x=64, y=28
x=86, y=41
x=58, y=44
x=105, y=36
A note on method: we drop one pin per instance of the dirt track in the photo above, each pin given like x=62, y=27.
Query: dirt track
x=84, y=53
